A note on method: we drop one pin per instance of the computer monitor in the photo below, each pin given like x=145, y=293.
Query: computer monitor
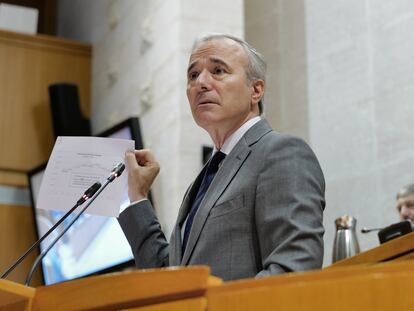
x=94, y=244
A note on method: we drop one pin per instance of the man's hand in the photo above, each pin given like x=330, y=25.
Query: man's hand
x=142, y=170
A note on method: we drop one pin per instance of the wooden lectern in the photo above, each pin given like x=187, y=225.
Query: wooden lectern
x=378, y=279
x=156, y=289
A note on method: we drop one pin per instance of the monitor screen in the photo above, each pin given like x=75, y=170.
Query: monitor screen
x=94, y=244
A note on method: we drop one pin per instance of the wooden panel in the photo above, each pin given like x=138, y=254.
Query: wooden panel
x=15, y=296
x=124, y=290
x=381, y=287
x=195, y=304
x=13, y=179
x=16, y=236
x=390, y=292
x=319, y=275
x=28, y=64
x=405, y=257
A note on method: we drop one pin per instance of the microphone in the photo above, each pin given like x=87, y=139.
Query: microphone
x=392, y=231
x=116, y=172
x=367, y=230
x=88, y=194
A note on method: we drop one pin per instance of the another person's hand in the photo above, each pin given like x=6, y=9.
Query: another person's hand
x=142, y=169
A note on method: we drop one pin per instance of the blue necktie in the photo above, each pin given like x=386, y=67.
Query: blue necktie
x=211, y=171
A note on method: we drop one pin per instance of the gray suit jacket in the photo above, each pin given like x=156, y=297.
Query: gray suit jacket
x=262, y=214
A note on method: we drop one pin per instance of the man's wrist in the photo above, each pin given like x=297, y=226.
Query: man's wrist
x=123, y=208
x=137, y=201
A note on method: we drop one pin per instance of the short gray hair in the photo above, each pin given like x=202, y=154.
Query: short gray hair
x=257, y=64
x=405, y=191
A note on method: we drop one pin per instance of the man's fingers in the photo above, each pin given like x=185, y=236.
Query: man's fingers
x=137, y=158
x=130, y=160
x=144, y=157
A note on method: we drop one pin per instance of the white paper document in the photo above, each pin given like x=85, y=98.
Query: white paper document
x=77, y=163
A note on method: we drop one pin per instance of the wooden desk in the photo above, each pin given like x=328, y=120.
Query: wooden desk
x=401, y=248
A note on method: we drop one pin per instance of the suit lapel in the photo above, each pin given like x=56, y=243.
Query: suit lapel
x=225, y=174
x=229, y=168
x=175, y=246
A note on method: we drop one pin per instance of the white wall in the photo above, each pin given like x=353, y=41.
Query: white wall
x=360, y=97
x=344, y=72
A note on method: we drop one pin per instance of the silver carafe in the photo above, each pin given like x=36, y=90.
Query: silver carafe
x=346, y=242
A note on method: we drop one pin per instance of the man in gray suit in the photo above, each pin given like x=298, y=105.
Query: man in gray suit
x=256, y=212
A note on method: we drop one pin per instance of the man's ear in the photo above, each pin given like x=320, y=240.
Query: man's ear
x=257, y=90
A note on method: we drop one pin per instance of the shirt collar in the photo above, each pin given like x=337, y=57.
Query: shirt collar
x=234, y=138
